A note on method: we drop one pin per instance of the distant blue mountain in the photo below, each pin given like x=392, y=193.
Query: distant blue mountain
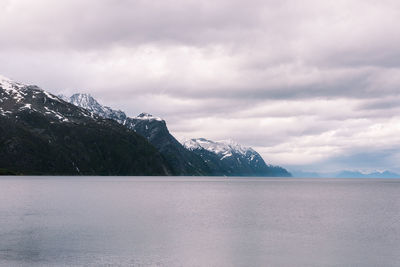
x=356, y=174
x=345, y=174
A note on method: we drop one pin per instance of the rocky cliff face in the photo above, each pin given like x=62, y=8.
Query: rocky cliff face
x=42, y=134
x=154, y=129
x=196, y=156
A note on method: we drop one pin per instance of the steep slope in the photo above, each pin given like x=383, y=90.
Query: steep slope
x=196, y=156
x=230, y=158
x=42, y=134
x=154, y=129
x=182, y=161
x=89, y=103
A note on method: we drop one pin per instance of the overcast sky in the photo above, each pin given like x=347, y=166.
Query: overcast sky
x=310, y=84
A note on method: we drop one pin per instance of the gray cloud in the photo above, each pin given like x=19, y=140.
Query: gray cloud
x=382, y=105
x=305, y=82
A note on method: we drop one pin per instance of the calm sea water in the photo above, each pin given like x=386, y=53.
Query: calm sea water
x=145, y=221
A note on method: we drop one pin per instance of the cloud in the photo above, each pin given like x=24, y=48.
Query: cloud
x=305, y=82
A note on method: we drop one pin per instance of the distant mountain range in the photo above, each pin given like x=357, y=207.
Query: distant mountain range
x=44, y=134
x=357, y=174
x=346, y=174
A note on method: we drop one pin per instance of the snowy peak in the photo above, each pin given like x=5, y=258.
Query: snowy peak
x=227, y=157
x=11, y=87
x=87, y=102
x=234, y=146
x=84, y=101
x=147, y=116
x=224, y=147
x=5, y=82
x=18, y=99
x=37, y=109
x=144, y=115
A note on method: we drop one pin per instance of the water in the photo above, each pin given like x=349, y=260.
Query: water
x=104, y=221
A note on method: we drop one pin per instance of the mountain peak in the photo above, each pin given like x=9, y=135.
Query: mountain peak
x=233, y=158
x=219, y=147
x=83, y=95
x=89, y=103
x=41, y=134
x=147, y=116
x=84, y=100
x=144, y=114
x=10, y=85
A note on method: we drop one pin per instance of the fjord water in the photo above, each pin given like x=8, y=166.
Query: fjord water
x=186, y=221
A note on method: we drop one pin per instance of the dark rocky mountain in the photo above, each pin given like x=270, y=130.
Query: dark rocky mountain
x=154, y=129
x=42, y=134
x=183, y=159
x=231, y=159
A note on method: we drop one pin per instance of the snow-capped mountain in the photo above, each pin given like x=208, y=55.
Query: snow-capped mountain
x=42, y=134
x=195, y=156
x=89, y=103
x=228, y=157
x=148, y=117
x=154, y=129
x=17, y=97
x=224, y=148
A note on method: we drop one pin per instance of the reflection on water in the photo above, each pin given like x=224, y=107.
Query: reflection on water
x=98, y=221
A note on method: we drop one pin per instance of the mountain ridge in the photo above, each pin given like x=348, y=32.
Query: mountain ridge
x=185, y=159
x=42, y=134
x=233, y=158
x=347, y=174
x=154, y=129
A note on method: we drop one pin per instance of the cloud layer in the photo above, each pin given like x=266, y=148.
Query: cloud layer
x=311, y=85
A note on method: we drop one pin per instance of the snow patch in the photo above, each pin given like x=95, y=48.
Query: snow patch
x=225, y=148
x=50, y=96
x=147, y=116
x=87, y=102
x=12, y=88
x=26, y=106
x=56, y=114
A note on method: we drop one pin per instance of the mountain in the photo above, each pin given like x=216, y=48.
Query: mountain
x=183, y=159
x=346, y=174
x=231, y=159
x=154, y=129
x=89, y=103
x=42, y=134
x=357, y=174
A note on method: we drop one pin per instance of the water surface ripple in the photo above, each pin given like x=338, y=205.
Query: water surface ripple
x=186, y=221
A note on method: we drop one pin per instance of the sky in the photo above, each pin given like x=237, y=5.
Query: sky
x=311, y=85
